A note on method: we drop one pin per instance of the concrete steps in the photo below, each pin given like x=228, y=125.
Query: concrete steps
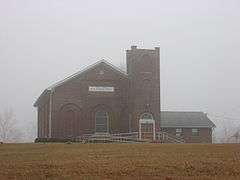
x=110, y=138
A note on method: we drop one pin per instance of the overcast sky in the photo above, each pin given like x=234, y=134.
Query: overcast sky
x=44, y=41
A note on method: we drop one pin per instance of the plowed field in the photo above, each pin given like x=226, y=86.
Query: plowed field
x=119, y=161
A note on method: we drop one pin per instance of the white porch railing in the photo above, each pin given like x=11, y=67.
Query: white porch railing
x=161, y=137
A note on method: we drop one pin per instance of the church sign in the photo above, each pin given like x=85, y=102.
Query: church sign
x=100, y=89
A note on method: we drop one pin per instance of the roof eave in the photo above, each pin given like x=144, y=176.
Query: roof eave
x=188, y=126
x=40, y=97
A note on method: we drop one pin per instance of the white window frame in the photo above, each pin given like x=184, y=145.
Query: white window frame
x=178, y=134
x=178, y=130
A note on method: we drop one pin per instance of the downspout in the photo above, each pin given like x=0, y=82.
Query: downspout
x=50, y=115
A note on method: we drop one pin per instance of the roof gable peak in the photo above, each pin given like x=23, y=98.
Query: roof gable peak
x=88, y=68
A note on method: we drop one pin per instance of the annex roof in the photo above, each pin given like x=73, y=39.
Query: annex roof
x=185, y=119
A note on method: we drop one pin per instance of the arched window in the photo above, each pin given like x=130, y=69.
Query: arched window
x=146, y=116
x=101, y=121
x=146, y=63
x=69, y=121
x=147, y=91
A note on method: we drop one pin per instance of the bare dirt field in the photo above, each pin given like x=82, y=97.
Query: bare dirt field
x=119, y=161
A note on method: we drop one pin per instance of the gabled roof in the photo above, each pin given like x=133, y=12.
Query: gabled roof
x=45, y=93
x=185, y=119
x=88, y=68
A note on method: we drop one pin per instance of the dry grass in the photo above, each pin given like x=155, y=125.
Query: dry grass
x=119, y=161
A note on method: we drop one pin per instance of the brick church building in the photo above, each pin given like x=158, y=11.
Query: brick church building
x=105, y=99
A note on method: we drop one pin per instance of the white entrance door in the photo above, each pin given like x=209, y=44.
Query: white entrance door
x=147, y=126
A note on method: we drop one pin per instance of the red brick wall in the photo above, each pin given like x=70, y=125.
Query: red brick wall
x=138, y=93
x=143, y=67
x=43, y=119
x=74, y=96
x=204, y=136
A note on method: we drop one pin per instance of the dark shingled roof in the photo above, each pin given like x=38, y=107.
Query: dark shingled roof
x=185, y=119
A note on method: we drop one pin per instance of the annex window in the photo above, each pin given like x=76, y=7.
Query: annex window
x=101, y=121
x=195, y=132
x=178, y=132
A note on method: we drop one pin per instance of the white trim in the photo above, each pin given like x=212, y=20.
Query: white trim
x=147, y=121
x=50, y=115
x=130, y=123
x=178, y=130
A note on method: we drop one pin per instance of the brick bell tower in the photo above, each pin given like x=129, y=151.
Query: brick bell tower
x=143, y=68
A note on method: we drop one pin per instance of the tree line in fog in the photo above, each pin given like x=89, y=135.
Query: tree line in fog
x=10, y=132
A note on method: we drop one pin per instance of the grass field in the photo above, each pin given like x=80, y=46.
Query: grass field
x=119, y=161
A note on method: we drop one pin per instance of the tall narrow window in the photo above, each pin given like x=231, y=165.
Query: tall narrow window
x=69, y=118
x=101, y=121
x=69, y=121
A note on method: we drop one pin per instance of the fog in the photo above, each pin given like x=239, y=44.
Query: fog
x=42, y=42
